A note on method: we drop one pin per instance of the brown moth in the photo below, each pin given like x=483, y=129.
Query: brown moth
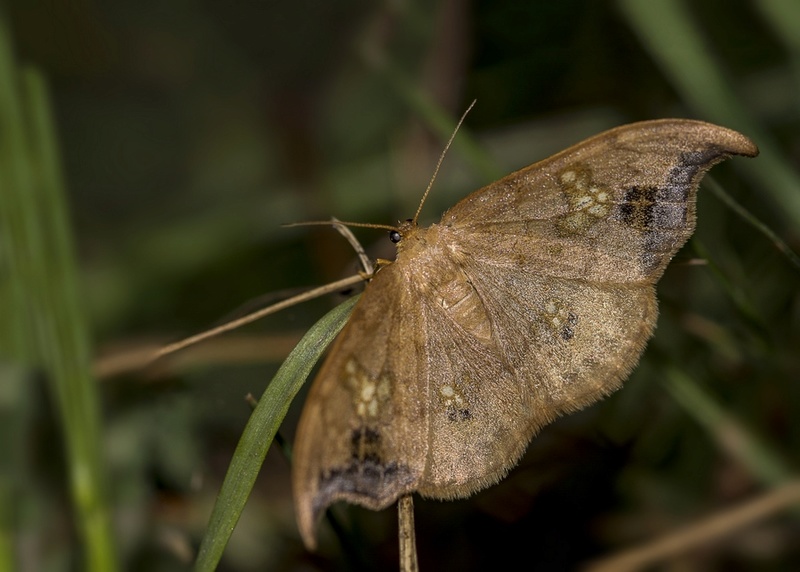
x=533, y=297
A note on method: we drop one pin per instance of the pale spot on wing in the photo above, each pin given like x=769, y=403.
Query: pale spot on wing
x=369, y=395
x=598, y=211
x=367, y=391
x=558, y=319
x=384, y=388
x=587, y=202
x=455, y=403
x=568, y=177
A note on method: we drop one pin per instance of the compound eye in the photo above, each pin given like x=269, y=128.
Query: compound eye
x=395, y=236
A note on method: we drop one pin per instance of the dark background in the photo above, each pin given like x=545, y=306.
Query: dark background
x=191, y=130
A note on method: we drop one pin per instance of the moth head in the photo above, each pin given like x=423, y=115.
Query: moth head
x=404, y=228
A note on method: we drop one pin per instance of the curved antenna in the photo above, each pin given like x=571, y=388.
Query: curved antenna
x=341, y=223
x=439, y=163
x=310, y=294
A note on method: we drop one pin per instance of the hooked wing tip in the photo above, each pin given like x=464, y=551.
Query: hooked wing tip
x=372, y=485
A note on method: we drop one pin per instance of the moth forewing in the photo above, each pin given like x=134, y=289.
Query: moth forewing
x=362, y=437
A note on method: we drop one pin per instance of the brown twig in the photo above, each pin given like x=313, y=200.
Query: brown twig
x=406, y=534
x=313, y=293
x=707, y=530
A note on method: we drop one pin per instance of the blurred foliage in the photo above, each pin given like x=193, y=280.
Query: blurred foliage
x=190, y=131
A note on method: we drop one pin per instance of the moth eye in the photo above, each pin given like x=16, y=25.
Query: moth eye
x=395, y=236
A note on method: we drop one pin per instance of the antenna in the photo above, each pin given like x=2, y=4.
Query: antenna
x=335, y=222
x=322, y=289
x=439, y=163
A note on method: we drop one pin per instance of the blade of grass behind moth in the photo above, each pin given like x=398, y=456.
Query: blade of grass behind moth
x=40, y=255
x=17, y=339
x=738, y=441
x=16, y=419
x=63, y=331
x=738, y=297
x=731, y=203
x=783, y=18
x=697, y=77
x=436, y=118
x=260, y=431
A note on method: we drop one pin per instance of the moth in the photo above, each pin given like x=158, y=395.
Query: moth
x=531, y=298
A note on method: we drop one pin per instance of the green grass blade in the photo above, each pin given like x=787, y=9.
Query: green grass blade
x=436, y=118
x=63, y=334
x=732, y=204
x=38, y=254
x=15, y=421
x=784, y=17
x=732, y=436
x=17, y=340
x=668, y=32
x=260, y=431
x=741, y=301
